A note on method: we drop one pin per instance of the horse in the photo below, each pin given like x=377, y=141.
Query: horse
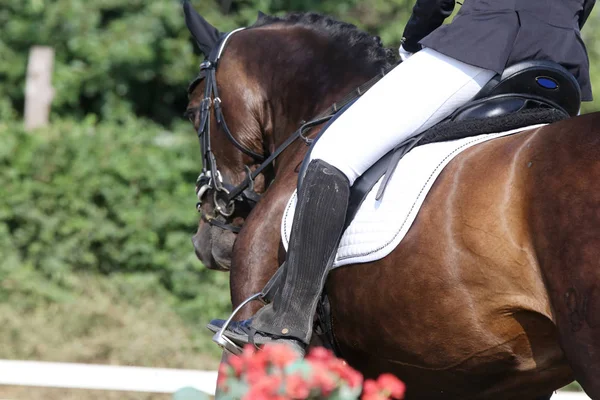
x=494, y=293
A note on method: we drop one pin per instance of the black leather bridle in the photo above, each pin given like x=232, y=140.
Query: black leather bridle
x=226, y=195
x=211, y=178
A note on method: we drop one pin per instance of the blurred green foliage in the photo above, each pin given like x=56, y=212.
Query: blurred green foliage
x=113, y=58
x=109, y=198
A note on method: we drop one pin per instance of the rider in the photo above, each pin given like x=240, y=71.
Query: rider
x=452, y=63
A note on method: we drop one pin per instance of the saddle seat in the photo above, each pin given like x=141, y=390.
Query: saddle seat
x=524, y=86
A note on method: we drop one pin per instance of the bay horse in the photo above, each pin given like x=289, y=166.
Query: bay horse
x=494, y=293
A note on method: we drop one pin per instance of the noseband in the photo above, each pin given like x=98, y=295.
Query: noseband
x=226, y=195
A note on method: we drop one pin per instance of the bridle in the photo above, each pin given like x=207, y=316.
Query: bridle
x=211, y=178
x=225, y=195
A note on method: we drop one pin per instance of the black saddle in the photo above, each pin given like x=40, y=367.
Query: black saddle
x=525, y=86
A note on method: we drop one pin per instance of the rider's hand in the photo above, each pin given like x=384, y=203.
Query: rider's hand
x=404, y=54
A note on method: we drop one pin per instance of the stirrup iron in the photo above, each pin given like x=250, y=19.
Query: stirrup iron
x=223, y=341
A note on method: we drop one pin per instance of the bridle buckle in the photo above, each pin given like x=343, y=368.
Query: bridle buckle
x=206, y=104
x=205, y=182
x=223, y=206
x=206, y=64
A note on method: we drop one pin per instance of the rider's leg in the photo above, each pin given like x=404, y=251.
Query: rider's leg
x=317, y=228
x=413, y=97
x=316, y=231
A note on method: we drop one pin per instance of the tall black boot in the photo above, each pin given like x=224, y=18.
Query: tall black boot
x=318, y=226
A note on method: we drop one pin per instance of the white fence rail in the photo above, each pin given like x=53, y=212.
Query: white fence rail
x=136, y=379
x=104, y=377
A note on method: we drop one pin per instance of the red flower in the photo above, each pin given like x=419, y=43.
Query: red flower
x=296, y=387
x=263, y=372
x=320, y=354
x=353, y=377
x=370, y=386
x=372, y=391
x=374, y=396
x=345, y=372
x=249, y=353
x=264, y=389
x=254, y=375
x=222, y=375
x=254, y=394
x=256, y=366
x=394, y=386
x=238, y=365
x=324, y=380
x=280, y=355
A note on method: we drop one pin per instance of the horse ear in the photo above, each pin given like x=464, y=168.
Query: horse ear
x=261, y=17
x=206, y=35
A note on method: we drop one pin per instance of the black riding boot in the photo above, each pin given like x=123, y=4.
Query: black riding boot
x=318, y=226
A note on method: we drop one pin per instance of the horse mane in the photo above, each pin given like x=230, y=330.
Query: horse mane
x=363, y=46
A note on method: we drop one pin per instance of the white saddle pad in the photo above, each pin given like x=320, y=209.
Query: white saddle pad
x=380, y=226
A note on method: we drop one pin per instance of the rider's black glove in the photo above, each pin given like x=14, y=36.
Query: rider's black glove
x=427, y=16
x=587, y=9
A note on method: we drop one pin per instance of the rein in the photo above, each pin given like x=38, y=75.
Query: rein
x=225, y=195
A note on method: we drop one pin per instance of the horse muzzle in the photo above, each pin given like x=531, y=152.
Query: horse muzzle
x=214, y=246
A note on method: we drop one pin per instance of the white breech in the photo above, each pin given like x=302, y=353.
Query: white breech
x=414, y=96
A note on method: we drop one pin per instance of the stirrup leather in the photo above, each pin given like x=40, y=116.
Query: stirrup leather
x=223, y=341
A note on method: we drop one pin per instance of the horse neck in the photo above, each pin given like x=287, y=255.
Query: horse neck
x=312, y=85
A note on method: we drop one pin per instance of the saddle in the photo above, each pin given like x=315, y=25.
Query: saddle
x=525, y=94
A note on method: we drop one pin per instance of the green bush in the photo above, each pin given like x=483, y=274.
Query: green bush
x=112, y=57
x=105, y=198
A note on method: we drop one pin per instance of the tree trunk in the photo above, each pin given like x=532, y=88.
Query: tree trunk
x=38, y=88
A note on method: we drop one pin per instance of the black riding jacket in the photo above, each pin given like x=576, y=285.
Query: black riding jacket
x=428, y=15
x=494, y=34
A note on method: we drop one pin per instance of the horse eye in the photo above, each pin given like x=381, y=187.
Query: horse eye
x=190, y=115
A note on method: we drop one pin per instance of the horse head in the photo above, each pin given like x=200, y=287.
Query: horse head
x=213, y=244
x=256, y=87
